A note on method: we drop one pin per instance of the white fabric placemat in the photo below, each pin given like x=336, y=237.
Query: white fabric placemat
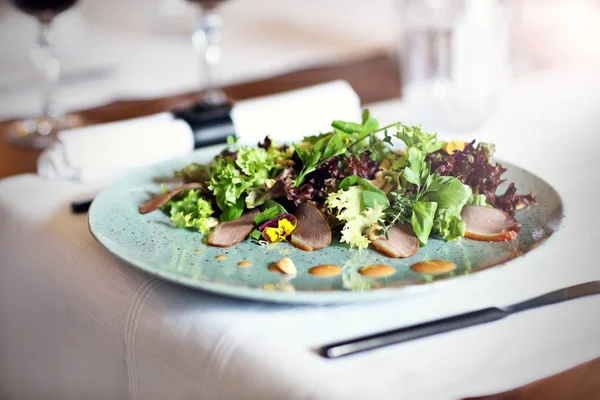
x=76, y=323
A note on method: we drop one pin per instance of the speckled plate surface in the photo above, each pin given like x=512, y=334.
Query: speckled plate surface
x=151, y=243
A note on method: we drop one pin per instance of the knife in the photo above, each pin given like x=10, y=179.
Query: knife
x=460, y=321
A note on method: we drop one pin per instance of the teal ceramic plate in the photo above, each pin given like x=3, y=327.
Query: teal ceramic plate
x=151, y=243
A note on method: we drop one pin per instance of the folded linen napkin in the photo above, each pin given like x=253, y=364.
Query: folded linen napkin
x=106, y=151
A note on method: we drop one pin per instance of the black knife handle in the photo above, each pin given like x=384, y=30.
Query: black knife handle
x=412, y=332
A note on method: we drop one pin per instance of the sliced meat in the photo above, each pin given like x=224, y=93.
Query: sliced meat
x=161, y=200
x=489, y=224
x=312, y=232
x=402, y=242
x=232, y=232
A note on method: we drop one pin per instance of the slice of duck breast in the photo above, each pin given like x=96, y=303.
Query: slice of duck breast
x=489, y=224
x=402, y=242
x=228, y=233
x=161, y=200
x=312, y=231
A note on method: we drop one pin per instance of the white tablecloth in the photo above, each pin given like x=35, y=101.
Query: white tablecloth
x=75, y=323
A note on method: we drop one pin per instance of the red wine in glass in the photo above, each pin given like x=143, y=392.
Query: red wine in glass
x=207, y=3
x=46, y=9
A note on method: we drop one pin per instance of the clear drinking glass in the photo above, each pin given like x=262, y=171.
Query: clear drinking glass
x=206, y=40
x=453, y=61
x=39, y=132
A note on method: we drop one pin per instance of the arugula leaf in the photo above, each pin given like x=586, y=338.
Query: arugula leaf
x=369, y=124
x=271, y=211
x=422, y=219
x=335, y=146
x=379, y=149
x=417, y=170
x=348, y=127
x=324, y=149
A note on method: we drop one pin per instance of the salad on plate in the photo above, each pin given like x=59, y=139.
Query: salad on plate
x=352, y=182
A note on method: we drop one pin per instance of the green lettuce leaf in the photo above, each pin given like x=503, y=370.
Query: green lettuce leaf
x=449, y=226
x=370, y=194
x=422, y=219
x=451, y=196
x=234, y=211
x=233, y=180
x=348, y=206
x=194, y=173
x=479, y=200
x=413, y=136
x=191, y=211
x=448, y=192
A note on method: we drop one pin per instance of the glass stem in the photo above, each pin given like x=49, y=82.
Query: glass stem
x=206, y=40
x=50, y=67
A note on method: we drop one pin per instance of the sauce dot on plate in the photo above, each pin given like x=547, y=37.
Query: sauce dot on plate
x=221, y=257
x=434, y=267
x=377, y=271
x=325, y=270
x=245, y=264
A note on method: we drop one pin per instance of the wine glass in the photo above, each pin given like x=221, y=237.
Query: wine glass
x=206, y=40
x=40, y=132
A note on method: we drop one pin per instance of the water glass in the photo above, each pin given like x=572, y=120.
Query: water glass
x=453, y=61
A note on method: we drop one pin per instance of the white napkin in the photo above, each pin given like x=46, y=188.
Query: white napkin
x=290, y=116
x=106, y=151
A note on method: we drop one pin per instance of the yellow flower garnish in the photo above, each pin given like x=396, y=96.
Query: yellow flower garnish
x=284, y=228
x=451, y=147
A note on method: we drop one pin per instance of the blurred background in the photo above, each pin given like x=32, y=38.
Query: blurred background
x=131, y=49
